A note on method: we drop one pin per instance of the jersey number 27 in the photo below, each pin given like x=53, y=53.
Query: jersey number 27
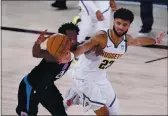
x=105, y=64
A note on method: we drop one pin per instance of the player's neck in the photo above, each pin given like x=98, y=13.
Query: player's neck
x=114, y=37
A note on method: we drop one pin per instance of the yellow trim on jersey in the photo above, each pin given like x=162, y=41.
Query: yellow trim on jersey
x=75, y=20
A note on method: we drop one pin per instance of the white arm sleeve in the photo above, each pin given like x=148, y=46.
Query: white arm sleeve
x=89, y=6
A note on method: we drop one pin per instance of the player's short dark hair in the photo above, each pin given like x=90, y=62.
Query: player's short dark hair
x=124, y=14
x=68, y=26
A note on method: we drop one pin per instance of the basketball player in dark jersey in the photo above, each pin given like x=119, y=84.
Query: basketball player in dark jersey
x=38, y=86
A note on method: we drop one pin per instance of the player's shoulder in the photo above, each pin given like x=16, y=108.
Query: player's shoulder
x=101, y=33
x=101, y=37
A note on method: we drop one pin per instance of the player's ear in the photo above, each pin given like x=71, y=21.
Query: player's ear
x=67, y=32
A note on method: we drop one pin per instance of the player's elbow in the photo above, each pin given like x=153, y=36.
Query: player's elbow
x=36, y=51
x=35, y=54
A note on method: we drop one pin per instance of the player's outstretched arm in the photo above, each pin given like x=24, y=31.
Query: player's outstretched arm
x=99, y=39
x=41, y=53
x=141, y=41
x=96, y=40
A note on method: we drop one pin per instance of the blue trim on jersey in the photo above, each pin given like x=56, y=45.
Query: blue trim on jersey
x=85, y=7
x=113, y=101
x=28, y=92
x=106, y=10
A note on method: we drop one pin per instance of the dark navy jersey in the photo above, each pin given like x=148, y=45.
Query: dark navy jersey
x=45, y=73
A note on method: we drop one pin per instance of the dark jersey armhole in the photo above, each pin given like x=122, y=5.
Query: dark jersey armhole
x=126, y=43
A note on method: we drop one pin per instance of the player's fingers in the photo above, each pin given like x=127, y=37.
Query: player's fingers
x=98, y=18
x=59, y=61
x=62, y=61
x=160, y=37
x=163, y=34
x=43, y=32
x=68, y=57
x=67, y=54
x=64, y=58
x=47, y=37
x=101, y=17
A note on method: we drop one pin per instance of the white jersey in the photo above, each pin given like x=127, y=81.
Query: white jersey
x=90, y=7
x=89, y=24
x=90, y=64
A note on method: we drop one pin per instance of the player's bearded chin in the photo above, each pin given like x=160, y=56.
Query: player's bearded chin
x=119, y=35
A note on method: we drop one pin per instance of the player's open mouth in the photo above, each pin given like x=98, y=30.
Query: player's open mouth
x=120, y=32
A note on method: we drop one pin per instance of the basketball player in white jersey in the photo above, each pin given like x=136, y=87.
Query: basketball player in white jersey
x=90, y=80
x=94, y=15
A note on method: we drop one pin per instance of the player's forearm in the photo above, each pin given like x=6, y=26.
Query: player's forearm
x=80, y=50
x=40, y=53
x=36, y=50
x=141, y=41
x=86, y=46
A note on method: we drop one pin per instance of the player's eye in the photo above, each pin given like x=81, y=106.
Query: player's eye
x=125, y=24
x=118, y=23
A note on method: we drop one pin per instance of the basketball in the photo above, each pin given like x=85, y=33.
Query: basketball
x=58, y=44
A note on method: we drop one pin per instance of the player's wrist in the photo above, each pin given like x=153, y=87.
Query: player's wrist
x=38, y=41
